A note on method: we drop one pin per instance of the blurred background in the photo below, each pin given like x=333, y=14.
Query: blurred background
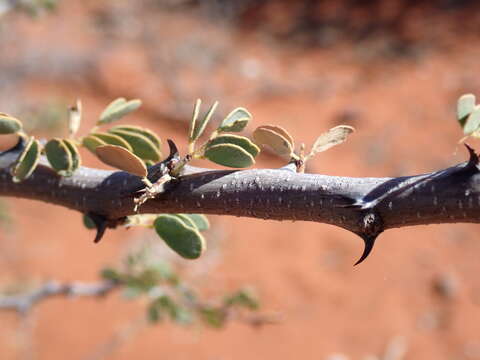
x=392, y=69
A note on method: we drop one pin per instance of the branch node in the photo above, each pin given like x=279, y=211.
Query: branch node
x=102, y=223
x=291, y=166
x=473, y=160
x=372, y=226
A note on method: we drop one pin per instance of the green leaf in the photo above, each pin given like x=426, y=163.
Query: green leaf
x=229, y=155
x=235, y=121
x=118, y=109
x=153, y=313
x=186, y=220
x=472, y=123
x=110, y=274
x=92, y=142
x=27, y=162
x=281, y=131
x=59, y=156
x=183, y=239
x=142, y=146
x=122, y=159
x=214, y=317
x=241, y=141
x=88, y=222
x=76, y=160
x=200, y=220
x=199, y=126
x=277, y=142
x=197, y=221
x=193, y=122
x=332, y=137
x=145, y=280
x=243, y=298
x=165, y=304
x=465, y=105
x=9, y=125
x=112, y=139
x=164, y=271
x=182, y=316
x=142, y=131
x=117, y=103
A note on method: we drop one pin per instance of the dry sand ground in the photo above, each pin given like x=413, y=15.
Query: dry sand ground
x=403, y=110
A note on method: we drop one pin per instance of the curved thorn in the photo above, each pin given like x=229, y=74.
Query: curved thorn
x=173, y=150
x=100, y=232
x=101, y=225
x=473, y=160
x=369, y=243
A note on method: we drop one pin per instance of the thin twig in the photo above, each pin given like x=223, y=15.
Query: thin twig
x=23, y=303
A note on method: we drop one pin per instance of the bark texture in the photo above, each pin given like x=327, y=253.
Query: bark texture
x=364, y=206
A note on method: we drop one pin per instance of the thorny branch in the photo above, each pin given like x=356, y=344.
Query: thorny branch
x=364, y=206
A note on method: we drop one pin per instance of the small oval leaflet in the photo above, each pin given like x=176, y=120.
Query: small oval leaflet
x=27, y=162
x=142, y=131
x=142, y=146
x=241, y=141
x=274, y=140
x=332, y=137
x=186, y=220
x=112, y=139
x=281, y=131
x=181, y=238
x=197, y=221
x=118, y=109
x=92, y=142
x=74, y=154
x=199, y=126
x=88, y=222
x=200, y=220
x=111, y=107
x=236, y=120
x=465, y=105
x=472, y=123
x=229, y=155
x=122, y=159
x=75, y=118
x=193, y=122
x=9, y=125
x=59, y=156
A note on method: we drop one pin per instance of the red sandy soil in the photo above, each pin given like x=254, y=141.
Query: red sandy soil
x=403, y=111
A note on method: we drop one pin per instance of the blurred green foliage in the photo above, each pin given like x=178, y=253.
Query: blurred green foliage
x=144, y=275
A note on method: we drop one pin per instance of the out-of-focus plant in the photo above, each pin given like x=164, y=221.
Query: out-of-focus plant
x=31, y=7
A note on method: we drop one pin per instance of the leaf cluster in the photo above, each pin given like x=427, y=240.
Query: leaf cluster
x=144, y=276
x=468, y=116
x=133, y=149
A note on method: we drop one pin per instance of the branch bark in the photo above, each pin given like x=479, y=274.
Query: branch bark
x=364, y=206
x=24, y=302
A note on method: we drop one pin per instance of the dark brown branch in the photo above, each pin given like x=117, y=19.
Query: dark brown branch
x=24, y=302
x=364, y=206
